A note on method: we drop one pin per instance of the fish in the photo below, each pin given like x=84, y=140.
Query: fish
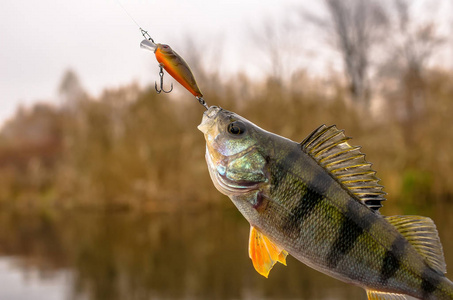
x=174, y=64
x=318, y=201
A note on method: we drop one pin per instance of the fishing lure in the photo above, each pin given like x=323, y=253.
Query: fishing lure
x=171, y=62
x=175, y=65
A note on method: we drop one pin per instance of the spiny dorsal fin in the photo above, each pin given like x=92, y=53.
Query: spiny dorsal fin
x=421, y=232
x=330, y=148
x=377, y=295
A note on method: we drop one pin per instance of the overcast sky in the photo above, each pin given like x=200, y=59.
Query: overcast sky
x=97, y=39
x=39, y=40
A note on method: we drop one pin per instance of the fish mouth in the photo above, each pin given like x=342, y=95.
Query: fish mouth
x=236, y=187
x=224, y=184
x=209, y=117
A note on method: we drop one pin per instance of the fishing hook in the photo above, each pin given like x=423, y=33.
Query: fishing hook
x=161, y=74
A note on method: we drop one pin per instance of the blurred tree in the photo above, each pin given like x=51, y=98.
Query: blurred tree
x=409, y=49
x=354, y=27
x=130, y=147
x=270, y=32
x=37, y=125
x=70, y=89
x=277, y=41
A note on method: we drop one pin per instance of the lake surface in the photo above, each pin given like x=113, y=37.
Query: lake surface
x=179, y=255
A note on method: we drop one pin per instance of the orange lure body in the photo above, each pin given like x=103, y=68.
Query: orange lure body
x=177, y=68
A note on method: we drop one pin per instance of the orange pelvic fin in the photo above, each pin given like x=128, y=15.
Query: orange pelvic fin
x=264, y=253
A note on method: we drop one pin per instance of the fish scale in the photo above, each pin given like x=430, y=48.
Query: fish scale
x=318, y=201
x=338, y=229
x=344, y=246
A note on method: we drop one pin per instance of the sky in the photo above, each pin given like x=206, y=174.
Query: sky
x=99, y=41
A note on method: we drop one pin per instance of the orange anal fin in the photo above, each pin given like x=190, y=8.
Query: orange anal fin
x=264, y=253
x=282, y=257
x=377, y=295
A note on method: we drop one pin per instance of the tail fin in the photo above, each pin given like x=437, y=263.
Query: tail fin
x=445, y=289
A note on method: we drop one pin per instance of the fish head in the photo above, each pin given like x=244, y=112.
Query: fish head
x=233, y=152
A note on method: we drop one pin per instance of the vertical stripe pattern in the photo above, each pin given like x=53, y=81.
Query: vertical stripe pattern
x=305, y=199
x=304, y=208
x=352, y=228
x=429, y=282
x=391, y=262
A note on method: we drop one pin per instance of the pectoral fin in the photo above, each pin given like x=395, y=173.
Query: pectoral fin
x=264, y=253
x=376, y=295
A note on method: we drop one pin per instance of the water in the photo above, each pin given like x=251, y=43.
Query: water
x=181, y=255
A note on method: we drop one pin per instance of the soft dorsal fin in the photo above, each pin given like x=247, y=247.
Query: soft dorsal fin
x=421, y=232
x=264, y=253
x=330, y=148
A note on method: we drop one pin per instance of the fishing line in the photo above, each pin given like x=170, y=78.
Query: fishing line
x=143, y=32
x=170, y=61
x=119, y=3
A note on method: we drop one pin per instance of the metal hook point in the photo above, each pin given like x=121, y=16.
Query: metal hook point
x=161, y=74
x=162, y=89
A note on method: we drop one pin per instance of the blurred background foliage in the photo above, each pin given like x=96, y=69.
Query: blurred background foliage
x=131, y=149
x=111, y=192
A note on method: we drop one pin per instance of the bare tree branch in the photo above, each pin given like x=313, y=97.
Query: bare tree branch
x=355, y=26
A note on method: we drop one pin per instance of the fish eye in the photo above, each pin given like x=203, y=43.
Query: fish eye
x=236, y=128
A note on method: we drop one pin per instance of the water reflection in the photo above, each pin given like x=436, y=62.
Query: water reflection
x=184, y=255
x=19, y=284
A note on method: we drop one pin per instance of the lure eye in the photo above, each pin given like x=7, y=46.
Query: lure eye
x=165, y=48
x=236, y=128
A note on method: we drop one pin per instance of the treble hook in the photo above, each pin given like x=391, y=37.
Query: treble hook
x=161, y=74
